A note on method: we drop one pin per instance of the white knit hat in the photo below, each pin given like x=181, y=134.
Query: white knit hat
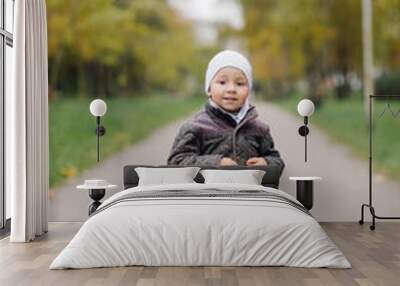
x=228, y=58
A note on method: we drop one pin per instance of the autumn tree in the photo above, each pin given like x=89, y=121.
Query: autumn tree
x=112, y=47
x=315, y=40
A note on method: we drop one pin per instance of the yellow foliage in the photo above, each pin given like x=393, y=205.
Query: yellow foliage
x=139, y=41
x=69, y=171
x=121, y=138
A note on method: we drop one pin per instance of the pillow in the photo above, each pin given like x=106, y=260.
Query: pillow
x=248, y=177
x=162, y=176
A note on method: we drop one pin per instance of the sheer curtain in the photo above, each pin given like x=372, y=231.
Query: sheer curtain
x=27, y=124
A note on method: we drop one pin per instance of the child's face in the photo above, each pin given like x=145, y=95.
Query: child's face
x=229, y=89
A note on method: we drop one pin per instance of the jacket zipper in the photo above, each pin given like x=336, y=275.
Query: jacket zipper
x=234, y=134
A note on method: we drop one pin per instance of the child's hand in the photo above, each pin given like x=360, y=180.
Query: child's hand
x=227, y=162
x=256, y=161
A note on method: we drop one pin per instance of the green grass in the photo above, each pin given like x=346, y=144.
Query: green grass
x=72, y=128
x=346, y=123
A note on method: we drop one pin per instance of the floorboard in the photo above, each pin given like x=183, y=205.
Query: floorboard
x=374, y=255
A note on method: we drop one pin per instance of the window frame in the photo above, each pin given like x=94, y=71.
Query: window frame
x=6, y=39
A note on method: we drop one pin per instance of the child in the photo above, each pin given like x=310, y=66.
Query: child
x=227, y=131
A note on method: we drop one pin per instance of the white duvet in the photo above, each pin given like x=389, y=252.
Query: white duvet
x=200, y=231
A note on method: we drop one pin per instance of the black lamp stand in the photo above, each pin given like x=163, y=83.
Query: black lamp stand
x=303, y=131
x=370, y=205
x=100, y=131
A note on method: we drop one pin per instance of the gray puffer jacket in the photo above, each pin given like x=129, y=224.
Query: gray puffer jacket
x=212, y=135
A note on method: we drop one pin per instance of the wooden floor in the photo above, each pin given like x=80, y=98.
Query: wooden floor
x=375, y=257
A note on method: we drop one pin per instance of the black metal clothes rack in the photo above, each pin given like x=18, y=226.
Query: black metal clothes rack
x=370, y=204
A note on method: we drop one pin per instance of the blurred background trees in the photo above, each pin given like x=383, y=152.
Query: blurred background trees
x=109, y=47
x=116, y=47
x=318, y=42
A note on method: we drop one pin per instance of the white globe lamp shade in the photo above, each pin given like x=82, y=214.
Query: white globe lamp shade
x=98, y=107
x=305, y=107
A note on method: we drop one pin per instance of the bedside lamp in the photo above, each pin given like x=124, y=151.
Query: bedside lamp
x=98, y=108
x=305, y=108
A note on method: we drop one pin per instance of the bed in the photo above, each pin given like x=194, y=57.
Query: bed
x=201, y=224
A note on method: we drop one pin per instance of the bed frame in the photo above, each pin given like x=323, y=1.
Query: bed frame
x=270, y=179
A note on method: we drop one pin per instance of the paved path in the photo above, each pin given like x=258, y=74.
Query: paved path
x=69, y=204
x=337, y=197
